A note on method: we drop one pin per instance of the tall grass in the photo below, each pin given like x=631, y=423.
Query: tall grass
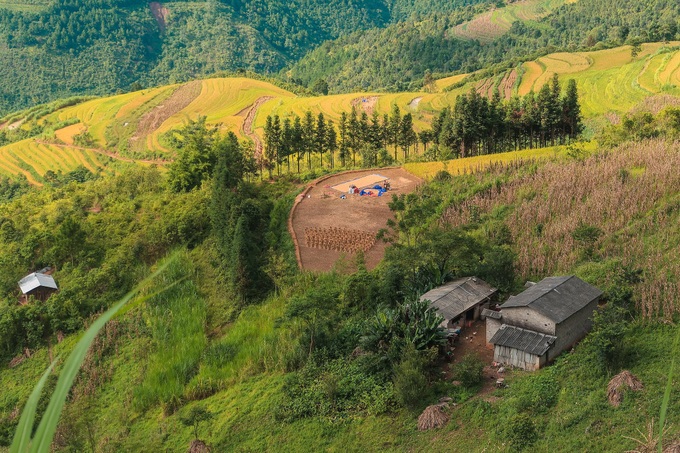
x=41, y=441
x=630, y=193
x=177, y=320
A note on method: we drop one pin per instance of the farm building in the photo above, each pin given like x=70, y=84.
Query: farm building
x=39, y=284
x=461, y=300
x=535, y=326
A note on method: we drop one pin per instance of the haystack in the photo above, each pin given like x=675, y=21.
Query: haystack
x=434, y=416
x=198, y=446
x=618, y=384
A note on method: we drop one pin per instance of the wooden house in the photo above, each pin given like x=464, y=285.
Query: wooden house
x=39, y=285
x=534, y=327
x=460, y=300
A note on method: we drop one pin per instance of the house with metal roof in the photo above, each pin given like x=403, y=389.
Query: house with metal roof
x=534, y=327
x=460, y=300
x=39, y=284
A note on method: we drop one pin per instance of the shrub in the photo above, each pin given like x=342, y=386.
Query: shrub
x=521, y=432
x=469, y=370
x=410, y=383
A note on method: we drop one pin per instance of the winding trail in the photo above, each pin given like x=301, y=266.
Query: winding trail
x=247, y=126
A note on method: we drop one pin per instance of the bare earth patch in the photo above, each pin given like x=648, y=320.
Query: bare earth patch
x=247, y=127
x=180, y=99
x=159, y=12
x=342, y=226
x=367, y=103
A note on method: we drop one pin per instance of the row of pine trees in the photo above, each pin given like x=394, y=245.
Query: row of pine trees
x=475, y=125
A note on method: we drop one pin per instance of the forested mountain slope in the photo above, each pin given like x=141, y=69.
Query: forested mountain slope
x=54, y=49
x=400, y=54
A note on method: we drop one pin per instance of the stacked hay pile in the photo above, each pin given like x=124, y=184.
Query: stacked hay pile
x=618, y=384
x=434, y=416
x=198, y=446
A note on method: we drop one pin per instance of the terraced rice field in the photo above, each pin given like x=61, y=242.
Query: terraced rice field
x=446, y=82
x=67, y=133
x=492, y=24
x=608, y=81
x=426, y=170
x=34, y=159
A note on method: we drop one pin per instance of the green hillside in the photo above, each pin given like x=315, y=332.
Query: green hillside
x=136, y=126
x=56, y=49
x=177, y=162
x=251, y=366
x=398, y=56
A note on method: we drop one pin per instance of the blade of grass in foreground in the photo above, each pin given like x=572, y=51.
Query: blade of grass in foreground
x=667, y=392
x=22, y=438
x=42, y=440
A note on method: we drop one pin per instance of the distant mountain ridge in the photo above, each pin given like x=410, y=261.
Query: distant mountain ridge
x=52, y=49
x=59, y=48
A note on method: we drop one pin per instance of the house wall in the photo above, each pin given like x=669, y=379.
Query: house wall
x=492, y=326
x=41, y=293
x=481, y=306
x=529, y=319
x=572, y=329
x=518, y=359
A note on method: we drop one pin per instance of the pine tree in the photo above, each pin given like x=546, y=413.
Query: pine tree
x=344, y=144
x=331, y=141
x=395, y=128
x=571, y=111
x=308, y=136
x=320, y=136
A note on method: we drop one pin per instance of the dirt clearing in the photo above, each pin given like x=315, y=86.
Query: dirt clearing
x=361, y=183
x=366, y=103
x=180, y=99
x=327, y=228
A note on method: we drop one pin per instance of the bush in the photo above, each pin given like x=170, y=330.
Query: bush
x=410, y=383
x=469, y=370
x=521, y=432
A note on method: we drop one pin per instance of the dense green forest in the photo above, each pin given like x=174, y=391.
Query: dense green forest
x=398, y=56
x=73, y=47
x=97, y=47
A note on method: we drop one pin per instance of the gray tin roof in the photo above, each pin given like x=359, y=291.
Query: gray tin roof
x=456, y=297
x=556, y=298
x=36, y=280
x=522, y=339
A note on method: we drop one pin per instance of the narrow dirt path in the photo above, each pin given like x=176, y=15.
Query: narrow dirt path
x=247, y=127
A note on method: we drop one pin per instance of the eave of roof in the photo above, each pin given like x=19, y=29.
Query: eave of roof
x=456, y=297
x=535, y=343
